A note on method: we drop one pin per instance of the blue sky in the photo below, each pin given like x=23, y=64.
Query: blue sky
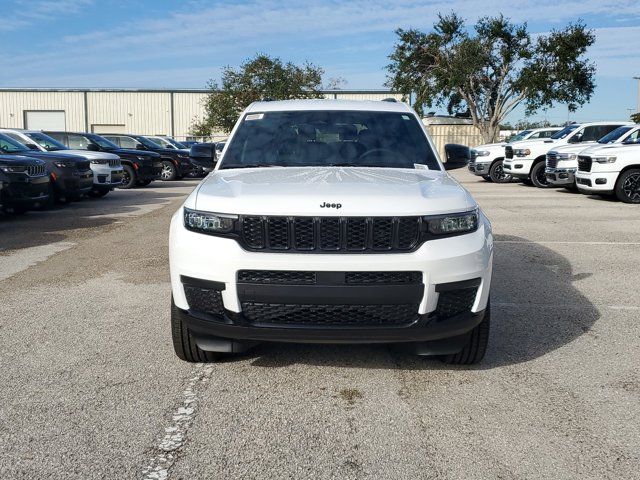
x=182, y=44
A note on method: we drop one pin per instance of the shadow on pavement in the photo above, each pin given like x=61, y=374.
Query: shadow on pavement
x=536, y=309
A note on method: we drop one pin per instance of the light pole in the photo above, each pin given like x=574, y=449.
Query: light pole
x=638, y=107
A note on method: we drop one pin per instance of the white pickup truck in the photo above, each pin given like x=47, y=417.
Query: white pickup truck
x=526, y=160
x=612, y=169
x=331, y=221
x=562, y=162
x=487, y=163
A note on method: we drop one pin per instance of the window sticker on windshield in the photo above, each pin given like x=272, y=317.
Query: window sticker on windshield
x=254, y=116
x=420, y=166
x=406, y=117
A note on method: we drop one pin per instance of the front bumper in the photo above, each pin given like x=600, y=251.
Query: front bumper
x=465, y=258
x=596, y=182
x=24, y=191
x=560, y=176
x=106, y=177
x=480, y=168
x=517, y=167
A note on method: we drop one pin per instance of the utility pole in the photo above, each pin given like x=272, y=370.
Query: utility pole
x=638, y=105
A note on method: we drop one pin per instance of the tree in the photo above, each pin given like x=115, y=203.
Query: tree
x=635, y=117
x=256, y=79
x=493, y=69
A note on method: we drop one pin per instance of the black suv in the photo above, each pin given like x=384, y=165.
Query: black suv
x=71, y=176
x=24, y=182
x=175, y=163
x=139, y=167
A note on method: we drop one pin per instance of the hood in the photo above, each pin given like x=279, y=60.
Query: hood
x=170, y=151
x=573, y=147
x=53, y=156
x=537, y=141
x=491, y=146
x=20, y=160
x=132, y=151
x=612, y=149
x=88, y=155
x=302, y=190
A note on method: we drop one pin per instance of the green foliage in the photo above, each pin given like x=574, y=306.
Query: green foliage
x=635, y=117
x=258, y=78
x=492, y=69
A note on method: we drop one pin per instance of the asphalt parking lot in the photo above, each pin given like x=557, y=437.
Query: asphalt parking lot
x=90, y=386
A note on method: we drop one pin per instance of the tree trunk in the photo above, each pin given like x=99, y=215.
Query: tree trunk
x=489, y=132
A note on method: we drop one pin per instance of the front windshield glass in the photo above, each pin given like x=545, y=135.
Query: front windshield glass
x=519, y=136
x=329, y=138
x=103, y=142
x=46, y=141
x=614, y=135
x=564, y=132
x=148, y=143
x=159, y=142
x=175, y=143
x=8, y=145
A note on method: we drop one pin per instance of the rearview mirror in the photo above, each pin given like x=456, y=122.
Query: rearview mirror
x=458, y=156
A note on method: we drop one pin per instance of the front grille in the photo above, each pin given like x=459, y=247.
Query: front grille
x=584, y=163
x=277, y=276
x=552, y=160
x=330, y=234
x=36, y=170
x=329, y=315
x=455, y=302
x=204, y=299
x=386, y=278
x=81, y=166
x=114, y=163
x=508, y=152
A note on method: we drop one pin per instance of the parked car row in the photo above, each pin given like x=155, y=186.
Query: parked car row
x=593, y=158
x=40, y=168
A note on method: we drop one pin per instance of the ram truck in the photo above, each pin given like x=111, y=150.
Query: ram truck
x=331, y=221
x=526, y=160
x=562, y=162
x=175, y=163
x=611, y=169
x=24, y=183
x=70, y=176
x=138, y=168
x=106, y=167
x=488, y=159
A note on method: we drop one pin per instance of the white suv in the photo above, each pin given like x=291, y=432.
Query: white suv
x=330, y=221
x=562, y=162
x=106, y=167
x=526, y=160
x=488, y=159
x=612, y=169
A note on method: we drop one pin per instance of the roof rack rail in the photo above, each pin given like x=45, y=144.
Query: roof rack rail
x=390, y=99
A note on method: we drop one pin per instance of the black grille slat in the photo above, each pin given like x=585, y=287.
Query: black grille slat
x=408, y=233
x=81, y=166
x=277, y=276
x=253, y=232
x=455, y=302
x=329, y=315
x=508, y=152
x=584, y=163
x=36, y=170
x=552, y=160
x=383, y=278
x=303, y=233
x=278, y=233
x=204, y=300
x=382, y=238
x=356, y=233
x=330, y=233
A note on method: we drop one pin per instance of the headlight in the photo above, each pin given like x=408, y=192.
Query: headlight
x=482, y=153
x=13, y=168
x=141, y=158
x=99, y=162
x=65, y=164
x=522, y=152
x=453, y=223
x=206, y=222
x=604, y=159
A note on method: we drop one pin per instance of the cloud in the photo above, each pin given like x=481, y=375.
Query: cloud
x=24, y=13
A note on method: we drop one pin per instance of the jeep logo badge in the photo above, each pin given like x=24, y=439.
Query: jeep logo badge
x=337, y=206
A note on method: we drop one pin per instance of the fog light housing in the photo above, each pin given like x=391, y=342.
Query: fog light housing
x=601, y=181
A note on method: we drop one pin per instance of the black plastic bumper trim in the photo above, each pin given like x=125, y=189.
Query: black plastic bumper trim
x=447, y=287
x=200, y=283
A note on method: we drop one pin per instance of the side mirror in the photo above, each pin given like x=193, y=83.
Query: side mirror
x=458, y=156
x=92, y=147
x=204, y=151
x=577, y=138
x=140, y=146
x=32, y=146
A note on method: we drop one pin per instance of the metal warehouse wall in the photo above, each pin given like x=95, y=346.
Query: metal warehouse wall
x=456, y=133
x=150, y=112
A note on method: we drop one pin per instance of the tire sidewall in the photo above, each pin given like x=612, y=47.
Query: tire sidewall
x=493, y=173
x=132, y=177
x=620, y=182
x=534, y=175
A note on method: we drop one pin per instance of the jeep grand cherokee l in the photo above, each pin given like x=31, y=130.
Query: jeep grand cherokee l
x=71, y=176
x=106, y=167
x=330, y=222
x=24, y=183
x=139, y=168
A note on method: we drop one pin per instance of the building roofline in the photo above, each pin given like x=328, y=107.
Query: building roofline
x=167, y=90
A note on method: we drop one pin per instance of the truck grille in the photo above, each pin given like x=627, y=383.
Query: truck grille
x=329, y=315
x=330, y=234
x=311, y=278
x=552, y=160
x=36, y=170
x=114, y=163
x=508, y=152
x=584, y=163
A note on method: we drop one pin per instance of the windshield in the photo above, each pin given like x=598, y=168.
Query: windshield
x=175, y=143
x=519, y=136
x=329, y=138
x=615, y=134
x=564, y=132
x=8, y=145
x=148, y=143
x=103, y=142
x=160, y=142
x=46, y=141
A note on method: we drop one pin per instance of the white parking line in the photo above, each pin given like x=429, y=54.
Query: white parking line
x=15, y=261
x=561, y=242
x=578, y=306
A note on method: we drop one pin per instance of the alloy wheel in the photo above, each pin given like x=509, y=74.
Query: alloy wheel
x=631, y=187
x=166, y=172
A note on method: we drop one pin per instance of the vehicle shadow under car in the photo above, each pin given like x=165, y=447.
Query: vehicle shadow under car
x=535, y=309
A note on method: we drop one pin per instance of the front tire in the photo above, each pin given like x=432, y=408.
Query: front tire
x=128, y=177
x=183, y=344
x=169, y=171
x=538, y=176
x=628, y=186
x=497, y=173
x=473, y=352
